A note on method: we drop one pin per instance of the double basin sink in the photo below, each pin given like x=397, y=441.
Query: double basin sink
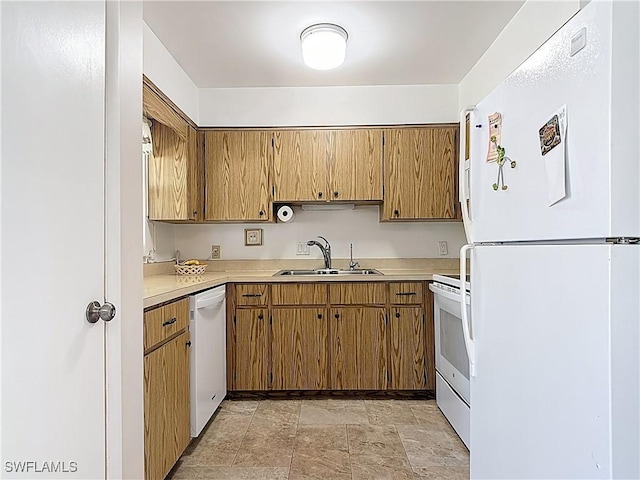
x=328, y=271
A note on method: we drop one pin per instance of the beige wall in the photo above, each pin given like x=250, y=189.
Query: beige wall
x=361, y=105
x=370, y=238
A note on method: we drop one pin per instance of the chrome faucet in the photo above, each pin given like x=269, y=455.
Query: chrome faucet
x=325, y=249
x=352, y=264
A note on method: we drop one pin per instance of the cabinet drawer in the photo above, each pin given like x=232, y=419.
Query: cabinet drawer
x=162, y=322
x=405, y=293
x=251, y=294
x=299, y=294
x=357, y=293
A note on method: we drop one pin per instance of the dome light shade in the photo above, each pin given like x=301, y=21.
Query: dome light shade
x=324, y=46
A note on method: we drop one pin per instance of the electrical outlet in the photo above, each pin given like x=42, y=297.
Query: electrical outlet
x=215, y=251
x=442, y=248
x=302, y=248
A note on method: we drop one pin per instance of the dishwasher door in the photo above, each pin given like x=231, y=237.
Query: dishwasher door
x=208, y=370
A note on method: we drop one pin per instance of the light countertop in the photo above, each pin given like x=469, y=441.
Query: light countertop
x=163, y=287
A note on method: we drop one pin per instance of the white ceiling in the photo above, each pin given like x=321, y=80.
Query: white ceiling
x=256, y=43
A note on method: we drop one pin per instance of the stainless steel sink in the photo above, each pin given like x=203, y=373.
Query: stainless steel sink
x=329, y=271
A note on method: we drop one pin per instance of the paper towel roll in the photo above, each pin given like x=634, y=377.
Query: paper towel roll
x=285, y=213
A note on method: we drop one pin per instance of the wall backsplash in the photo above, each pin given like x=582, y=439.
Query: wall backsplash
x=370, y=238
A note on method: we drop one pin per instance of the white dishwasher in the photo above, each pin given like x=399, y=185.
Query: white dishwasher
x=208, y=372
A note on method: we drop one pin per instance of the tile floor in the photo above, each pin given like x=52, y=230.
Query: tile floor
x=330, y=439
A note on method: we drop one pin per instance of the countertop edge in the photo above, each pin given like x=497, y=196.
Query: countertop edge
x=169, y=288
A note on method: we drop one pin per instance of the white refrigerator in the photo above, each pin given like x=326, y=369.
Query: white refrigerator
x=553, y=334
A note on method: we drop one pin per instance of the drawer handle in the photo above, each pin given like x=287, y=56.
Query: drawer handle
x=169, y=322
x=251, y=294
x=405, y=294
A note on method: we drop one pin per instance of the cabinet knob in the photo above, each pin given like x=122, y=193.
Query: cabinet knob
x=319, y=194
x=337, y=315
x=396, y=213
x=188, y=344
x=397, y=314
x=319, y=316
x=195, y=212
x=335, y=194
x=260, y=317
x=261, y=213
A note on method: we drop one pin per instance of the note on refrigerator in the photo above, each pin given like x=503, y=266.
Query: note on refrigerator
x=553, y=147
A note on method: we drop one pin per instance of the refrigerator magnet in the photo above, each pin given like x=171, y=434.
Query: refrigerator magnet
x=495, y=136
x=550, y=135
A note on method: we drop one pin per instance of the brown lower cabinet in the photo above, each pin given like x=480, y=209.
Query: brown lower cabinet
x=358, y=348
x=299, y=353
x=166, y=389
x=250, y=350
x=329, y=336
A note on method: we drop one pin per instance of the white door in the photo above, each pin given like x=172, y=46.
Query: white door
x=556, y=388
x=53, y=360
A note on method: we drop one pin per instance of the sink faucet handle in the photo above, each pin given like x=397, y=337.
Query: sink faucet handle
x=326, y=242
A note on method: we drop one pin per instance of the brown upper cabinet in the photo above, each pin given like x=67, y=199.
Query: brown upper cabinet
x=237, y=175
x=327, y=165
x=420, y=173
x=175, y=169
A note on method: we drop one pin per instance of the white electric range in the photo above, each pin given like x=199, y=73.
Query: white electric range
x=452, y=357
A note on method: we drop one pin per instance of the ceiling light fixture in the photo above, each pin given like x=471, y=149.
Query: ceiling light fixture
x=324, y=46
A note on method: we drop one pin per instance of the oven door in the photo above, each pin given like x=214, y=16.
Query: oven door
x=452, y=358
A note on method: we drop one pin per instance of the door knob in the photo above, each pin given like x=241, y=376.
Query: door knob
x=96, y=312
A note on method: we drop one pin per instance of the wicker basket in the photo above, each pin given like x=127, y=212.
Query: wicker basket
x=190, y=269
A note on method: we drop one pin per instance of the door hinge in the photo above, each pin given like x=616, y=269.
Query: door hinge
x=383, y=140
x=272, y=142
x=270, y=377
x=389, y=377
x=424, y=376
x=234, y=320
x=270, y=319
x=273, y=190
x=386, y=319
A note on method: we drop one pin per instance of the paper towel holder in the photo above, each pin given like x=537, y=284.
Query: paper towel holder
x=284, y=213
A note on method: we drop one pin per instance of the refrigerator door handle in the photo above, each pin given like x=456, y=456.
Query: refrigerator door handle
x=466, y=321
x=464, y=173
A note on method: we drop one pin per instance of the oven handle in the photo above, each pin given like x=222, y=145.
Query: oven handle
x=466, y=321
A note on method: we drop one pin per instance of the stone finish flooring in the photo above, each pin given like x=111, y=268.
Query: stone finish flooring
x=332, y=439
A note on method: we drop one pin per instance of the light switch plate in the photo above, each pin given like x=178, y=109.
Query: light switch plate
x=302, y=248
x=252, y=237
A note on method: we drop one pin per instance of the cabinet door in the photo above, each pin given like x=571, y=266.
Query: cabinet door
x=237, y=175
x=195, y=174
x=250, y=349
x=167, y=175
x=408, y=352
x=299, y=349
x=356, y=165
x=300, y=167
x=358, y=348
x=166, y=406
x=420, y=178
